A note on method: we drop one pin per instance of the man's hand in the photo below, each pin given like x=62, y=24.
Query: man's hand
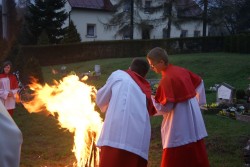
x=10, y=94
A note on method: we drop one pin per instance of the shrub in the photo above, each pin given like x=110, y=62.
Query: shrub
x=240, y=94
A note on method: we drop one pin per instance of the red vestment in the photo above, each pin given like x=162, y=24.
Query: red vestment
x=113, y=157
x=189, y=155
x=13, y=85
x=177, y=85
x=146, y=89
x=12, y=78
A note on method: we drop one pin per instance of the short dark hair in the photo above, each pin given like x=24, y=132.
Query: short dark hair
x=157, y=54
x=140, y=66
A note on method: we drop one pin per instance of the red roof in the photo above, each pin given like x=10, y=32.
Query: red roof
x=91, y=4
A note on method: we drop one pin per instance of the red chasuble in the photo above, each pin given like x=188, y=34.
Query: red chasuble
x=146, y=89
x=177, y=84
x=12, y=78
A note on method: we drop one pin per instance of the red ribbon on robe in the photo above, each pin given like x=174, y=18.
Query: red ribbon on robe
x=146, y=89
x=12, y=78
x=177, y=84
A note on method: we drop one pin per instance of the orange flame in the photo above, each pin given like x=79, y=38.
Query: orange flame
x=71, y=100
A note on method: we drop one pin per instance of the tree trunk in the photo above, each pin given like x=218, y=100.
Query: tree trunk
x=169, y=19
x=4, y=19
x=205, y=18
x=132, y=20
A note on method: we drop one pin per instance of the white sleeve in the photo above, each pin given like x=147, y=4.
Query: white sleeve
x=14, y=91
x=104, y=94
x=200, y=94
x=3, y=92
x=162, y=109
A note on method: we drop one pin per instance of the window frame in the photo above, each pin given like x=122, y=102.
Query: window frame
x=184, y=33
x=197, y=33
x=88, y=31
x=147, y=6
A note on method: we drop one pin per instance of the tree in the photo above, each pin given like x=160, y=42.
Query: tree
x=43, y=39
x=13, y=23
x=3, y=49
x=243, y=17
x=48, y=15
x=227, y=16
x=1, y=24
x=71, y=34
x=130, y=14
x=204, y=17
x=26, y=37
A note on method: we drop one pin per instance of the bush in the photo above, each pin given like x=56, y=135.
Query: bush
x=240, y=94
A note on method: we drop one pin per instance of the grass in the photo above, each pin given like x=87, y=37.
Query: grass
x=45, y=144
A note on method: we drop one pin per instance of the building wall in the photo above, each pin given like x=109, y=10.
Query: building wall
x=82, y=18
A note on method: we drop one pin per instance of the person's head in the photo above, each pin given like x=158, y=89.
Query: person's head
x=140, y=66
x=7, y=66
x=157, y=59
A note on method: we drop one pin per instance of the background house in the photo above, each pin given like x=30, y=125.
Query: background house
x=91, y=18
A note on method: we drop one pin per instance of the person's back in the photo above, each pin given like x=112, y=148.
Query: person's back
x=127, y=124
x=127, y=119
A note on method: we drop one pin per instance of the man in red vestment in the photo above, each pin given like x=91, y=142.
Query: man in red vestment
x=178, y=99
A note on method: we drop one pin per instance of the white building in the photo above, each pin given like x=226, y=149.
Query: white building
x=91, y=16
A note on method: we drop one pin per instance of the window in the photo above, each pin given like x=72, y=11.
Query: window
x=166, y=9
x=147, y=6
x=126, y=6
x=91, y=30
x=165, y=33
x=126, y=35
x=184, y=33
x=197, y=33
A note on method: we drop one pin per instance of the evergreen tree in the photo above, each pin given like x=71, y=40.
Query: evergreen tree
x=48, y=15
x=3, y=49
x=43, y=38
x=71, y=34
x=26, y=37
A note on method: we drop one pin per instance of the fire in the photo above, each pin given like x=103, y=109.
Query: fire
x=70, y=100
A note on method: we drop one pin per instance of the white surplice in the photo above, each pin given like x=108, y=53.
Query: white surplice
x=182, y=122
x=9, y=102
x=127, y=122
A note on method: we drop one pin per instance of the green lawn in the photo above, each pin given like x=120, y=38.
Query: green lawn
x=45, y=144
